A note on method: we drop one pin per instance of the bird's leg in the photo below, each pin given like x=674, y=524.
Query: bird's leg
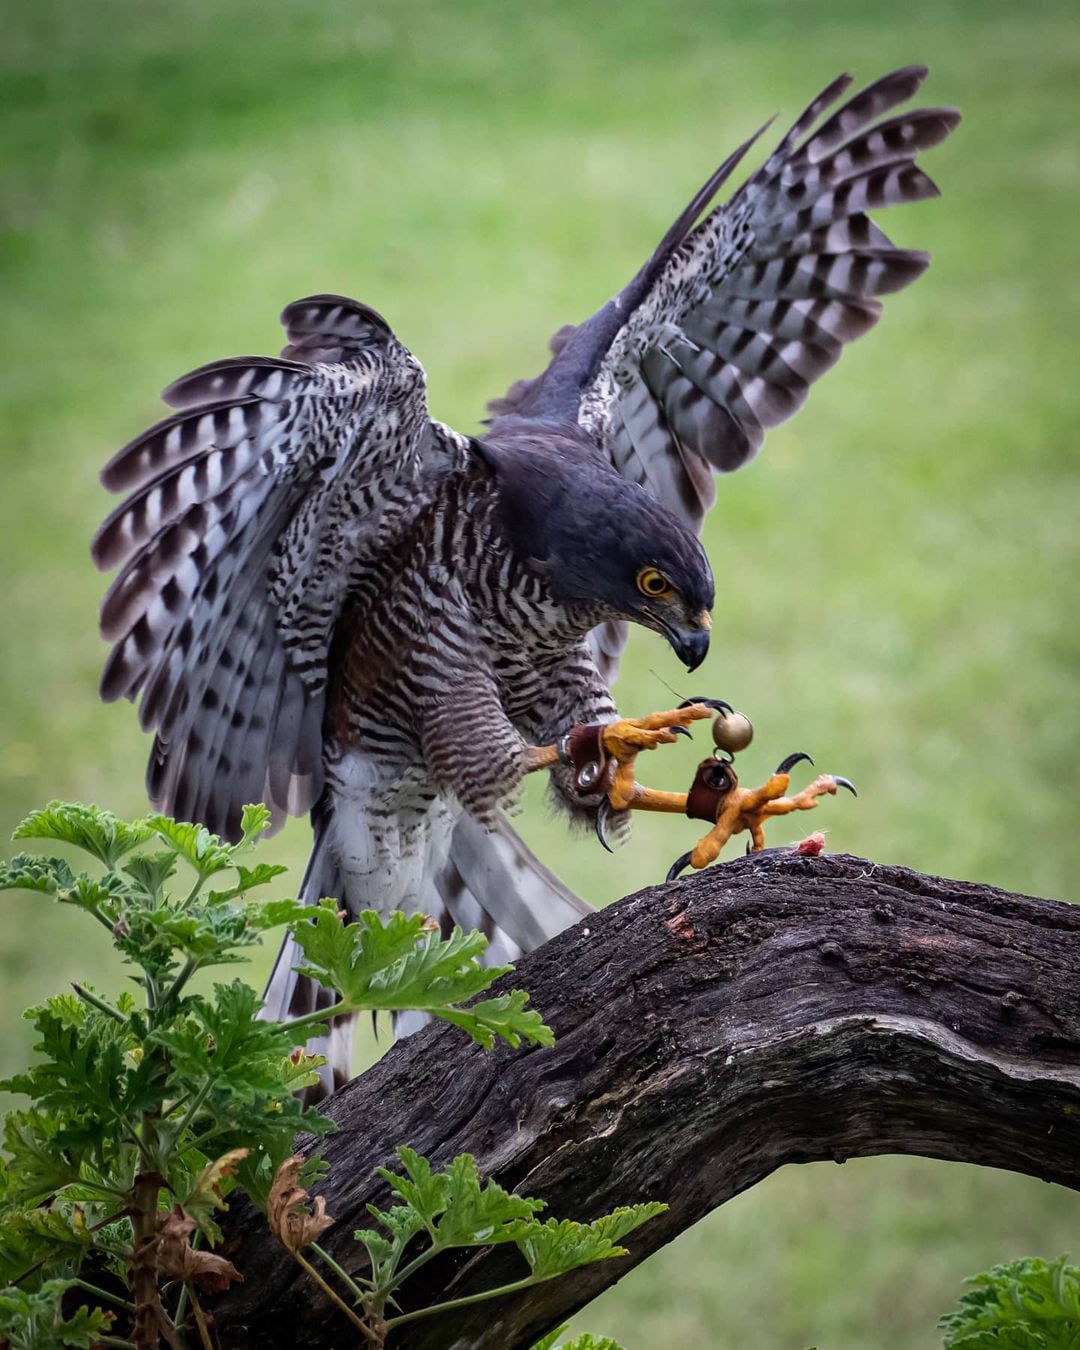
x=603, y=758
x=748, y=809
x=624, y=740
x=619, y=743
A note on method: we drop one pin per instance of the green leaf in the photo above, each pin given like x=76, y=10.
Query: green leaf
x=255, y=820
x=548, y=1342
x=87, y=827
x=26, y=872
x=58, y=1237
x=381, y=1254
x=40, y=1162
x=398, y=964
x=559, y=1245
x=583, y=1342
x=150, y=871
x=505, y=1016
x=453, y=1205
x=1029, y=1304
x=248, y=878
x=53, y=876
x=264, y=914
x=422, y=1191
x=33, y=1320
x=476, y=1215
x=205, y=852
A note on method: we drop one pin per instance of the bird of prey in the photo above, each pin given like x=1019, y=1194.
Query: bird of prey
x=331, y=602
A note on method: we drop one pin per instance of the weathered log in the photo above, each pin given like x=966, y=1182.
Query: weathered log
x=772, y=1010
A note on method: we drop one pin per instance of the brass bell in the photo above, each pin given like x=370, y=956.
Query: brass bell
x=732, y=731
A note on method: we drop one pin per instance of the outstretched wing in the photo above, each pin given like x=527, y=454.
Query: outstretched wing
x=244, y=513
x=721, y=334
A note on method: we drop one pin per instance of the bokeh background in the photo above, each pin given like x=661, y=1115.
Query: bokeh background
x=897, y=571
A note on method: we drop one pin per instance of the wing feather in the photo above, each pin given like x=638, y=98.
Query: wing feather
x=228, y=548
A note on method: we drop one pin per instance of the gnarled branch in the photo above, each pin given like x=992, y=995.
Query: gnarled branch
x=775, y=1009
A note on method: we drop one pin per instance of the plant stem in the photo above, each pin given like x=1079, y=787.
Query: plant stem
x=190, y=1113
x=114, y=1340
x=114, y=1299
x=200, y=1322
x=103, y=919
x=181, y=1306
x=143, y=1268
x=353, y=1317
x=342, y=1275
x=435, y=1308
x=414, y=1265
x=188, y=969
x=320, y=1015
x=99, y=1003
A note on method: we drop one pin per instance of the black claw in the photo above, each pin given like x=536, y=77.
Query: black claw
x=844, y=783
x=720, y=704
x=677, y=866
x=786, y=765
x=600, y=824
x=682, y=731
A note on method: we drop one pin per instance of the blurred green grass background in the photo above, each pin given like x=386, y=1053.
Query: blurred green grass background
x=897, y=572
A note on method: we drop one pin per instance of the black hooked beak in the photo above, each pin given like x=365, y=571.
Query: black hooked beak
x=691, y=645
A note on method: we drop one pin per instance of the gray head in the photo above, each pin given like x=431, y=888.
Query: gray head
x=601, y=542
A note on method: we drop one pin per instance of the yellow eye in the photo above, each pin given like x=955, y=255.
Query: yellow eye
x=652, y=583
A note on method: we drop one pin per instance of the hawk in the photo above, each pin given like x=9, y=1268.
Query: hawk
x=333, y=603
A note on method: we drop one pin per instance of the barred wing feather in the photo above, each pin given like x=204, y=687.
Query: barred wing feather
x=239, y=512
x=758, y=300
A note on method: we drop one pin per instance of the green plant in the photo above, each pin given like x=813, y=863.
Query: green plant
x=147, y=1110
x=438, y=1212
x=1029, y=1304
x=583, y=1342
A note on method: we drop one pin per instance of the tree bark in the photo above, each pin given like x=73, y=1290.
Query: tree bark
x=775, y=1009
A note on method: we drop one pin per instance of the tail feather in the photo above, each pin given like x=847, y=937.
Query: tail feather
x=524, y=902
x=289, y=994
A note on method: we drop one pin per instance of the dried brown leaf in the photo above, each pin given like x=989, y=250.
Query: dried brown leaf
x=286, y=1212
x=179, y=1260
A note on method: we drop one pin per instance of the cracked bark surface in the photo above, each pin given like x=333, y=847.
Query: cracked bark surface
x=775, y=1009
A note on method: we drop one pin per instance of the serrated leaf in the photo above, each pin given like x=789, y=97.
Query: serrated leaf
x=561, y=1245
x=87, y=827
x=583, y=1342
x=1029, y=1304
x=548, y=1342
x=398, y=964
x=423, y=1191
x=255, y=820
x=505, y=1016
x=248, y=878
x=477, y=1215
x=56, y=1237
x=150, y=871
x=27, y=872
x=265, y=914
x=205, y=852
x=380, y=1253
x=39, y=1162
x=33, y=1320
x=207, y=1192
